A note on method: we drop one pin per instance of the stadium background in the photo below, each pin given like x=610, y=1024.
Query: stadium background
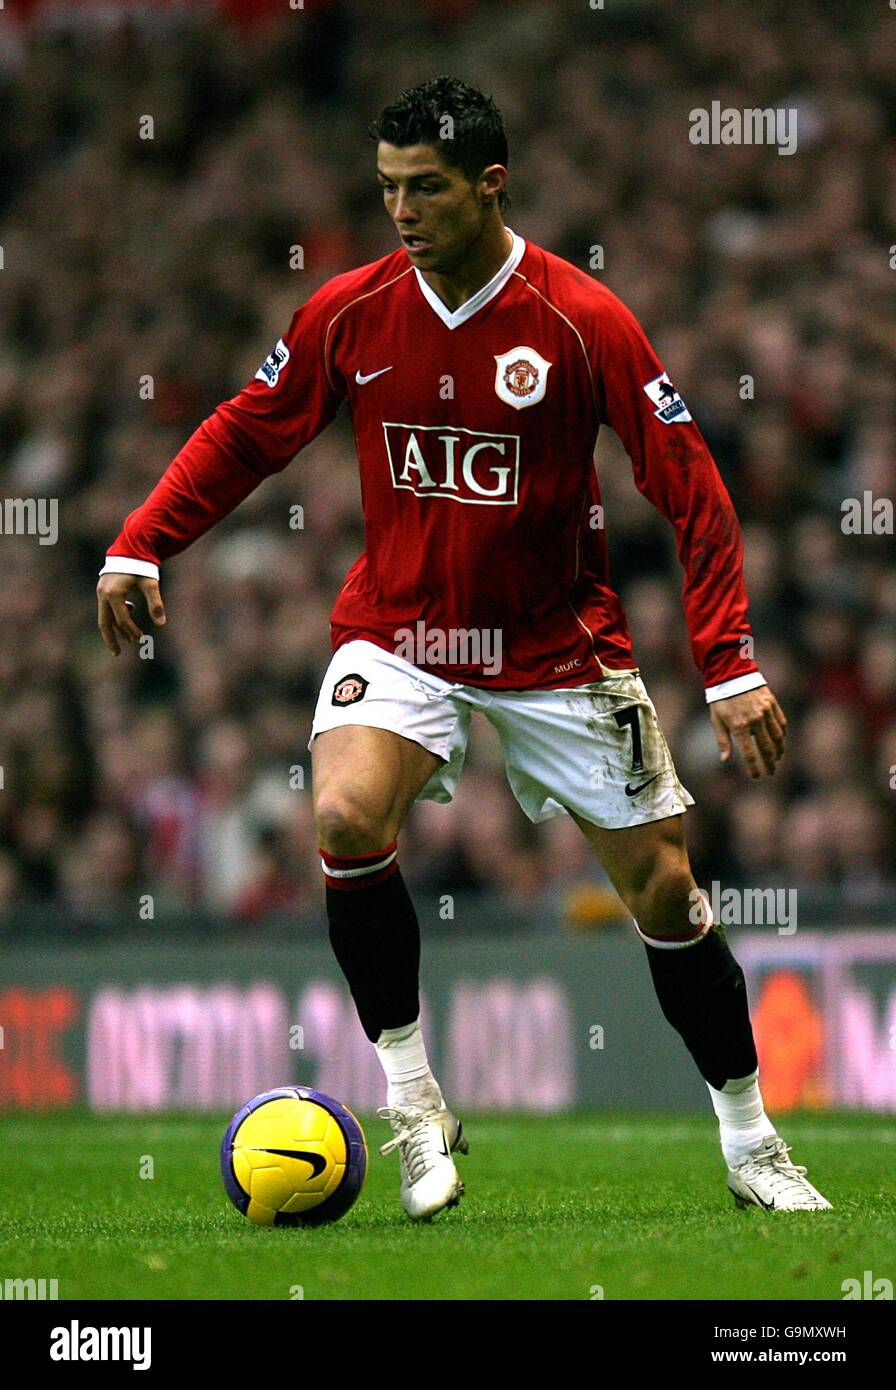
x=156, y=851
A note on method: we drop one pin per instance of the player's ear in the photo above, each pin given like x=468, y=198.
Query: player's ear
x=492, y=181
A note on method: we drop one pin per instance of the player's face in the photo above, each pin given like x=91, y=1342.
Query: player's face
x=437, y=212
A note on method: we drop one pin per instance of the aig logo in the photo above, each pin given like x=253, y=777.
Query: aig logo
x=447, y=461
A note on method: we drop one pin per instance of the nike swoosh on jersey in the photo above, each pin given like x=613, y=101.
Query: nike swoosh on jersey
x=363, y=380
x=633, y=791
x=317, y=1161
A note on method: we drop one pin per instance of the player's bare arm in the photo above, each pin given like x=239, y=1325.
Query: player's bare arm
x=756, y=725
x=115, y=610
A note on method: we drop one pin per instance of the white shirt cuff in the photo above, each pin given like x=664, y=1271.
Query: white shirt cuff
x=734, y=687
x=120, y=564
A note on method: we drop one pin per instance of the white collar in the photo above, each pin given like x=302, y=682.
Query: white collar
x=451, y=318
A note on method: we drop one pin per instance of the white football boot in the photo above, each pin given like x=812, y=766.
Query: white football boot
x=768, y=1179
x=426, y=1139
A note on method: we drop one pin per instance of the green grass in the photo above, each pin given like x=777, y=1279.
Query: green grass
x=554, y=1206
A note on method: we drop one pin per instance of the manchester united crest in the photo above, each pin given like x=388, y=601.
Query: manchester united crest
x=522, y=377
x=349, y=689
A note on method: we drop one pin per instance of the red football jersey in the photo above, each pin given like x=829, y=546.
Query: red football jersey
x=475, y=431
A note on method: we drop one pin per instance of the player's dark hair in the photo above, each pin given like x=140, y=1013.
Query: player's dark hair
x=417, y=117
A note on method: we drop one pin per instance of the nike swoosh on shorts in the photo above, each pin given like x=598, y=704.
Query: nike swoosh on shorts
x=633, y=791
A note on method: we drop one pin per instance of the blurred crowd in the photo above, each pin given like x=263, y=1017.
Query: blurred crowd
x=144, y=279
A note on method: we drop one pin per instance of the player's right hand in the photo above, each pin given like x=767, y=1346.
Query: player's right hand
x=114, y=617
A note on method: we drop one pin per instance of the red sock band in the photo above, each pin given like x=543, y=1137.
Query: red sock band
x=351, y=871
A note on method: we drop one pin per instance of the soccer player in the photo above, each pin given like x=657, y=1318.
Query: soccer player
x=479, y=368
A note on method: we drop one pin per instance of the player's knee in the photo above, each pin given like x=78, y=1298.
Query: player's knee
x=346, y=827
x=663, y=903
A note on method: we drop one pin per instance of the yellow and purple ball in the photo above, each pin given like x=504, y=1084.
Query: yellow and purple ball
x=293, y=1157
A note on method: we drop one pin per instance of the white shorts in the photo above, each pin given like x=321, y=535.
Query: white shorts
x=595, y=749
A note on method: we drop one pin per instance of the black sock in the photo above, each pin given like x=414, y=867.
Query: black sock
x=703, y=994
x=376, y=938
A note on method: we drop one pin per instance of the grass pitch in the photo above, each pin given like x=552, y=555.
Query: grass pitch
x=556, y=1208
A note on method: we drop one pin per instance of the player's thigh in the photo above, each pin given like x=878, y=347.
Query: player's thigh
x=364, y=781
x=644, y=863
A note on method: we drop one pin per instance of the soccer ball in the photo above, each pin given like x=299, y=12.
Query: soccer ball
x=293, y=1157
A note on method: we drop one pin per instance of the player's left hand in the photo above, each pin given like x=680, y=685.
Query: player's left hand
x=756, y=723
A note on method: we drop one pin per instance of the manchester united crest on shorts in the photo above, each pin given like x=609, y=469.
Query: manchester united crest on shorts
x=349, y=689
x=522, y=377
